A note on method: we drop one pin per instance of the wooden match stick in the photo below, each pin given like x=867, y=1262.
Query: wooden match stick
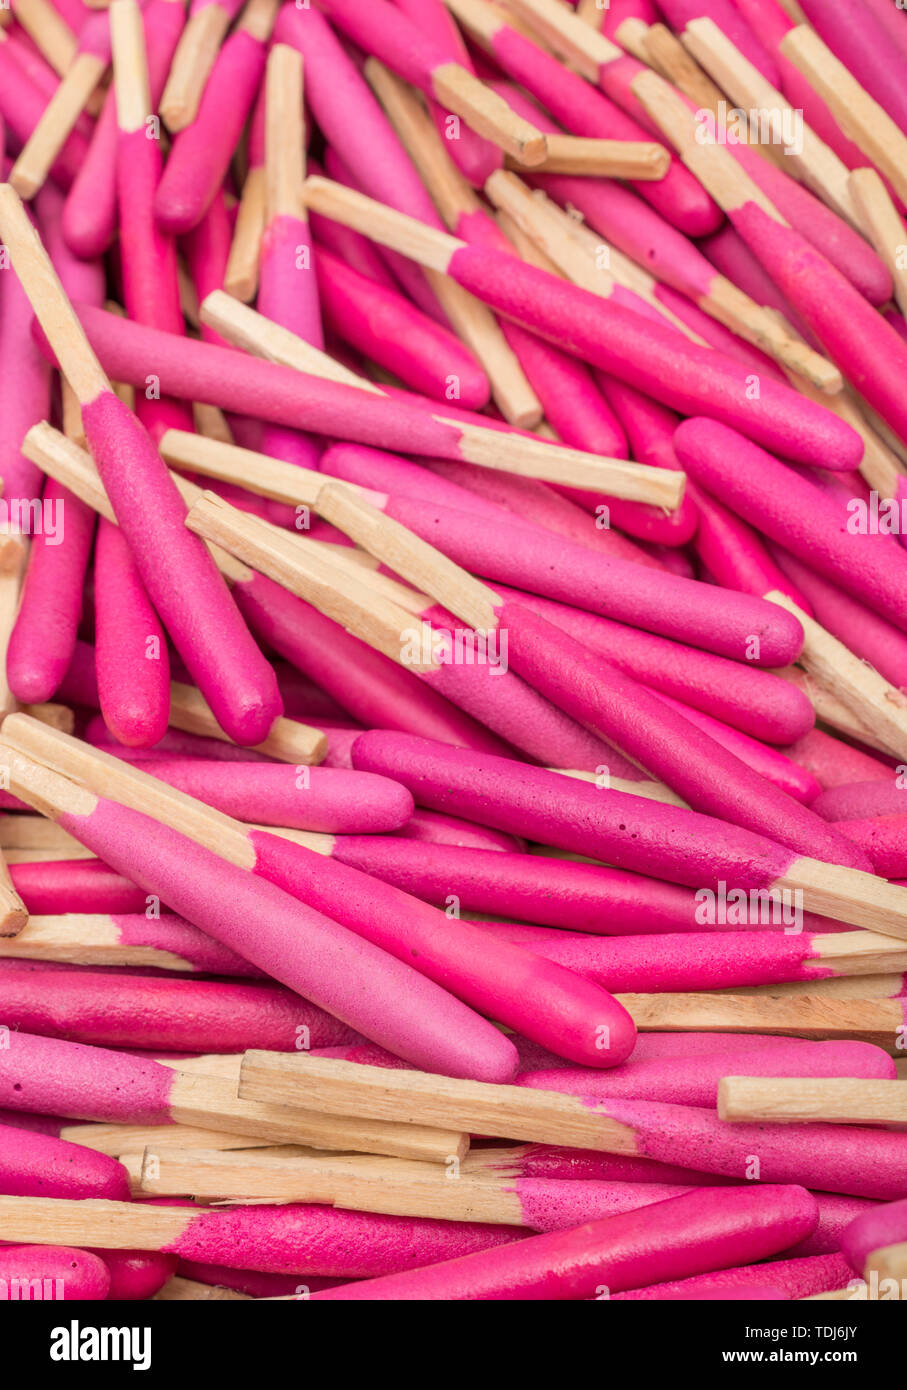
x=877, y=705
x=860, y=117
x=60, y=115
x=199, y=45
x=663, y=51
x=241, y=274
x=822, y=1100
x=876, y=1021
x=815, y=163
x=567, y=34
x=614, y=159
x=515, y=1112
x=33, y=832
x=396, y=1187
x=386, y=32
x=521, y=454
x=882, y=224
x=180, y=1290
x=237, y=681
x=125, y=1139
x=85, y=939
x=49, y=32
x=13, y=912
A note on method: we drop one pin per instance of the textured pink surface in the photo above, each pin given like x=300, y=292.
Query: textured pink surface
x=54, y=1077
x=730, y=21
x=834, y=1158
x=38, y=1165
x=729, y=253
x=202, y=152
x=157, y=1013
x=366, y=988
x=133, y=663
x=682, y=609
x=861, y=47
x=798, y=1278
x=645, y=836
x=431, y=828
x=288, y=290
x=383, y=325
x=752, y=700
x=657, y=359
x=235, y=381
x=655, y=737
x=26, y=386
x=22, y=104
x=586, y=897
x=171, y=933
x=75, y=885
x=251, y=1281
x=298, y=1239
x=833, y=763
x=872, y=1231
x=198, y=612
x=551, y=1006
x=866, y=633
x=557, y=1204
x=90, y=217
x=377, y=691
x=863, y=800
x=884, y=840
x=694, y=1080
x=796, y=514
x=80, y=1275
x=693, y=1233
x=136, y=1274
x=548, y=1161
x=516, y=711
x=735, y=555
x=582, y=109
x=321, y=799
x=43, y=639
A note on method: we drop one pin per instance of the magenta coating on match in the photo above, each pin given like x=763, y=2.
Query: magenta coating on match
x=43, y=639
x=585, y=897
x=75, y=885
x=798, y=1278
x=683, y=609
x=22, y=105
x=383, y=325
x=301, y=1239
x=158, y=1013
x=863, y=800
x=735, y=555
x=79, y=1275
x=884, y=840
x=54, y=1077
x=431, y=828
x=862, y=1162
x=382, y=998
x=694, y=1080
x=136, y=1274
x=649, y=732
x=330, y=800
x=39, y=1165
x=26, y=395
x=633, y=833
x=755, y=701
x=198, y=612
x=131, y=653
x=202, y=152
x=874, y=1230
x=585, y=111
x=866, y=50
x=833, y=763
x=90, y=215
x=870, y=353
x=797, y=514
x=550, y=1006
x=657, y=359
x=865, y=633
x=697, y=1232
x=171, y=933
x=377, y=691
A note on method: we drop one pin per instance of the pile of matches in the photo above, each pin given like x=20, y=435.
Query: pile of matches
x=453, y=612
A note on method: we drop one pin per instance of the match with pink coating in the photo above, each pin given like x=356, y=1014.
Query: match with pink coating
x=796, y=514
x=694, y=1080
x=865, y=800
x=297, y=946
x=694, y=1233
x=136, y=1274
x=834, y=763
x=872, y=1231
x=131, y=653
x=860, y=47
x=76, y=885
x=797, y=1278
x=882, y=839
x=40, y=1165
x=22, y=104
x=431, y=828
x=64, y=1273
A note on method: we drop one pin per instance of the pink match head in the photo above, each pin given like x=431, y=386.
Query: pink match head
x=53, y=1271
x=39, y=1165
x=872, y=1231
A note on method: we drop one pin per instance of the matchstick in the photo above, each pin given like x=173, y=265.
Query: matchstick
x=241, y=274
x=82, y=76
x=651, y=357
x=830, y=1100
x=877, y=1021
x=662, y=50
x=152, y=512
x=882, y=224
x=49, y=31
x=196, y=53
